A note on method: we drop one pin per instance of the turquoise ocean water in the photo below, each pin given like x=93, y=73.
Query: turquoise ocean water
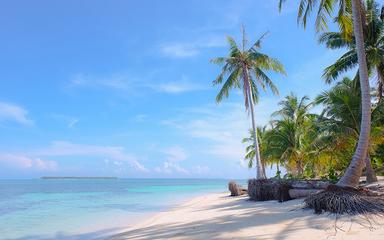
x=89, y=208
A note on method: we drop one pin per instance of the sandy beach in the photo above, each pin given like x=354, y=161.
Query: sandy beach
x=218, y=216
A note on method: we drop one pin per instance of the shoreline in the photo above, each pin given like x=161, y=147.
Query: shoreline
x=154, y=215
x=218, y=216
x=82, y=210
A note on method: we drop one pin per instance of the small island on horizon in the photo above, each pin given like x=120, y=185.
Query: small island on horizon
x=74, y=177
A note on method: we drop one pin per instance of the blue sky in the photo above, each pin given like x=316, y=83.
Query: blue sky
x=124, y=88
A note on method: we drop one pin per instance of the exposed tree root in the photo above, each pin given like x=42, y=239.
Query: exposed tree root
x=346, y=200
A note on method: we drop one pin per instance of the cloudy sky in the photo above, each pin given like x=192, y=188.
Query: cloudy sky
x=124, y=88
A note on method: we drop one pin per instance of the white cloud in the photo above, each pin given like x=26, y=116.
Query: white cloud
x=171, y=167
x=115, y=81
x=193, y=48
x=223, y=127
x=180, y=86
x=116, y=155
x=124, y=83
x=68, y=120
x=201, y=170
x=72, y=122
x=15, y=113
x=176, y=87
x=174, y=156
x=179, y=50
x=24, y=162
x=45, y=164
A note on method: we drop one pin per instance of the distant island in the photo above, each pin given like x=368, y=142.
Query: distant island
x=71, y=177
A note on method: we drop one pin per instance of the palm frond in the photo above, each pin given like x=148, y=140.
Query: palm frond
x=264, y=80
x=343, y=64
x=325, y=10
x=333, y=40
x=231, y=82
x=234, y=49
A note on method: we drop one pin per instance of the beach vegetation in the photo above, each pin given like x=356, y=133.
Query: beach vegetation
x=246, y=68
x=347, y=136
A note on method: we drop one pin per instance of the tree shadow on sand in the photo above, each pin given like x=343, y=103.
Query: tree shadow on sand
x=248, y=214
x=102, y=234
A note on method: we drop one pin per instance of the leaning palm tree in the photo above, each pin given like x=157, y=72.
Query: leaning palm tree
x=341, y=118
x=345, y=187
x=348, y=9
x=341, y=115
x=245, y=69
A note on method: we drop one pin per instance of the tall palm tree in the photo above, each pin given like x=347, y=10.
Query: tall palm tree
x=374, y=48
x=325, y=10
x=246, y=69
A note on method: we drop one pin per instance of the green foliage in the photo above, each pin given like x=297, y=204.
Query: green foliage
x=321, y=145
x=332, y=175
x=318, y=146
x=245, y=67
x=374, y=48
x=325, y=9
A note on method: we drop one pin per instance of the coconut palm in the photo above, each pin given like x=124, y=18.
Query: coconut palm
x=293, y=132
x=341, y=108
x=325, y=9
x=346, y=7
x=250, y=149
x=268, y=153
x=246, y=69
x=341, y=117
x=374, y=48
x=291, y=139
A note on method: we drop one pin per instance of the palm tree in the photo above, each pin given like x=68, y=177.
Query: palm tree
x=325, y=10
x=268, y=153
x=291, y=139
x=374, y=49
x=250, y=149
x=341, y=117
x=246, y=69
x=293, y=132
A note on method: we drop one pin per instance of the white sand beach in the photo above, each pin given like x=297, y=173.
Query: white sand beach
x=218, y=216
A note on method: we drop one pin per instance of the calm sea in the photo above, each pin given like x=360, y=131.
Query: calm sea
x=89, y=208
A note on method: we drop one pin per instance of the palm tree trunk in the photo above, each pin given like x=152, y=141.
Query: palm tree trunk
x=259, y=166
x=260, y=174
x=263, y=167
x=369, y=172
x=371, y=175
x=352, y=176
